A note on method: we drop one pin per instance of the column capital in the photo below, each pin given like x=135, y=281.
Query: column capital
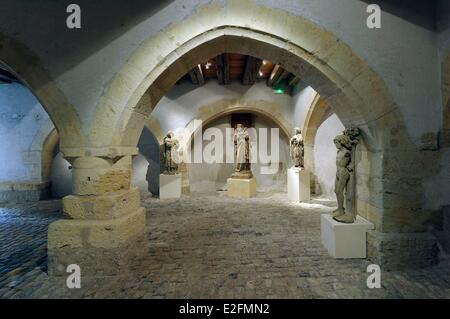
x=106, y=152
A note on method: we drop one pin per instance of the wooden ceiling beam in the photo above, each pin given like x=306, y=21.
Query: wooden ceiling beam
x=275, y=75
x=223, y=69
x=193, y=77
x=196, y=75
x=293, y=80
x=251, y=72
x=199, y=74
x=284, y=75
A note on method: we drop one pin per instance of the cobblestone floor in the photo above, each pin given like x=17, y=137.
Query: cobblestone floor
x=211, y=246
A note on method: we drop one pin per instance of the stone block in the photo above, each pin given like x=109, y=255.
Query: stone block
x=106, y=206
x=16, y=193
x=344, y=240
x=169, y=186
x=396, y=251
x=299, y=185
x=242, y=188
x=99, y=247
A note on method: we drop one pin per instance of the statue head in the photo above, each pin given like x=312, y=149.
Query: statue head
x=297, y=131
x=343, y=141
x=170, y=134
x=352, y=132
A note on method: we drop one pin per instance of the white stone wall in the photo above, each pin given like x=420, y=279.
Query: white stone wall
x=183, y=102
x=303, y=98
x=21, y=116
x=325, y=154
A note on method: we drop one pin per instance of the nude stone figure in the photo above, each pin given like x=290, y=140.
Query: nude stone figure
x=297, y=148
x=345, y=183
x=170, y=154
x=241, y=140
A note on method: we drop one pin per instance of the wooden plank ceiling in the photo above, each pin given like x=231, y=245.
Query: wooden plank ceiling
x=232, y=67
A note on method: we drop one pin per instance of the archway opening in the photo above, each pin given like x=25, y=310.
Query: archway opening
x=28, y=140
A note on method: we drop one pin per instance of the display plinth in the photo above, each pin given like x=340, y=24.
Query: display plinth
x=299, y=185
x=345, y=240
x=242, y=188
x=169, y=186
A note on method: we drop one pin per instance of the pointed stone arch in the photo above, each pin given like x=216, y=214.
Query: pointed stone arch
x=355, y=92
x=25, y=65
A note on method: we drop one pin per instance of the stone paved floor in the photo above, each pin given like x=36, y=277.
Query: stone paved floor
x=210, y=246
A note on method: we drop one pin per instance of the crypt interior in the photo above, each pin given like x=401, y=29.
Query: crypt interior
x=84, y=117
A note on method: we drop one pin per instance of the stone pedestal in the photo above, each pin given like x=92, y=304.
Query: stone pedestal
x=104, y=225
x=169, y=186
x=242, y=188
x=299, y=185
x=345, y=240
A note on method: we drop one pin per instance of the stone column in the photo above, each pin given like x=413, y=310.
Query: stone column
x=103, y=223
x=402, y=238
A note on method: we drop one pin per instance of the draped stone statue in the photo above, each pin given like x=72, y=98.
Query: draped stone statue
x=241, y=139
x=297, y=148
x=171, y=158
x=345, y=183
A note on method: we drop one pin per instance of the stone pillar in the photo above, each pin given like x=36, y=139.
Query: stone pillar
x=402, y=238
x=103, y=223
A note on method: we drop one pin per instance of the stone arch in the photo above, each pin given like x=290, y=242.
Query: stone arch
x=356, y=92
x=216, y=110
x=152, y=124
x=26, y=66
x=49, y=149
x=44, y=145
x=313, y=119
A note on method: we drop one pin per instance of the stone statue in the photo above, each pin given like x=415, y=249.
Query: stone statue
x=170, y=154
x=241, y=139
x=345, y=183
x=297, y=149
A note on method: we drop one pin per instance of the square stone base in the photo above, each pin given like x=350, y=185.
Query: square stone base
x=242, y=188
x=169, y=186
x=299, y=185
x=98, y=247
x=345, y=240
x=399, y=251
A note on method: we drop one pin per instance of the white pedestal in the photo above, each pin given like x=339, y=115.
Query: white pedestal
x=242, y=188
x=345, y=240
x=169, y=186
x=299, y=185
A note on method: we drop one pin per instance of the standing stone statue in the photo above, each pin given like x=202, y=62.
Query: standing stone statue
x=345, y=183
x=297, y=148
x=170, y=154
x=241, y=139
